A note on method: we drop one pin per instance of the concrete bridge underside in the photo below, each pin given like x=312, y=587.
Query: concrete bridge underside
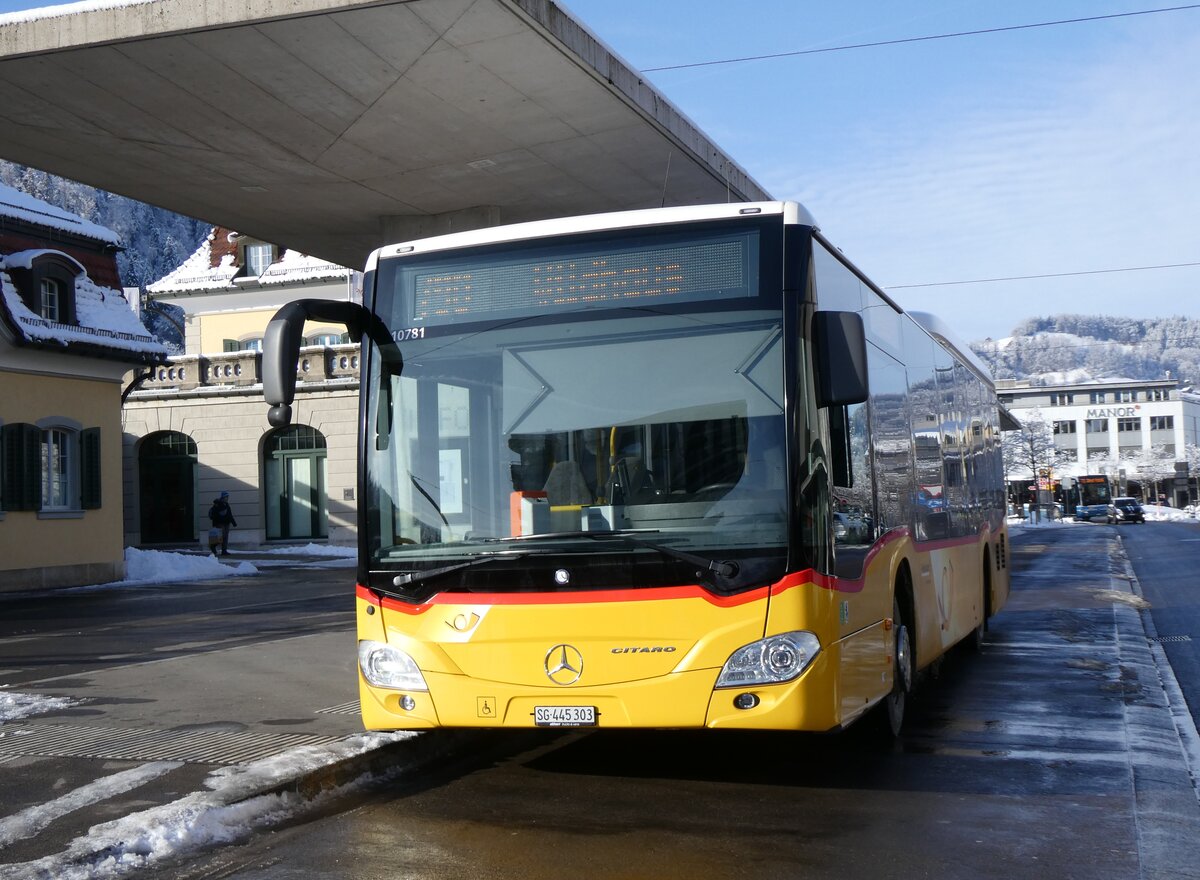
x=334, y=126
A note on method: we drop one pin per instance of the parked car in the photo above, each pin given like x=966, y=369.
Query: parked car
x=1130, y=510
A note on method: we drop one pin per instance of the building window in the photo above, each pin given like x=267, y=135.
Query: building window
x=328, y=339
x=1125, y=396
x=258, y=258
x=1098, y=397
x=252, y=344
x=50, y=301
x=1062, y=399
x=1162, y=423
x=1158, y=394
x=59, y=456
x=1097, y=426
x=47, y=286
x=1064, y=427
x=1129, y=424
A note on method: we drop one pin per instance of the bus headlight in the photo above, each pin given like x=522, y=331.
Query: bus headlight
x=770, y=661
x=388, y=667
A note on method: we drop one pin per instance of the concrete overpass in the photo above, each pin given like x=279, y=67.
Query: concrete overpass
x=333, y=126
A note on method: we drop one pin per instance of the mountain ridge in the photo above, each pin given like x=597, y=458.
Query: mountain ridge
x=1074, y=348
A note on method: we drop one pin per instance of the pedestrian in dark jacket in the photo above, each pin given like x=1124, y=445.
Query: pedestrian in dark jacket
x=222, y=518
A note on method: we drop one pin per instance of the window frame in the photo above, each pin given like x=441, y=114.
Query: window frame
x=50, y=298
x=56, y=267
x=252, y=253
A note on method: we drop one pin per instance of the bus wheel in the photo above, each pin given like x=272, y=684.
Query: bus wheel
x=895, y=703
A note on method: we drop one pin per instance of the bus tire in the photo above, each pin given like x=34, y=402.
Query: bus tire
x=891, y=715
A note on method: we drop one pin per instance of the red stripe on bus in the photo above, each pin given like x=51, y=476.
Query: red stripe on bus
x=653, y=594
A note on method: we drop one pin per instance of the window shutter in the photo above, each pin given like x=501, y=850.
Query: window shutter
x=89, y=470
x=22, y=447
x=231, y=345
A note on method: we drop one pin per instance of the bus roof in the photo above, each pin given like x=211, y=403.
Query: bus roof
x=793, y=213
x=937, y=328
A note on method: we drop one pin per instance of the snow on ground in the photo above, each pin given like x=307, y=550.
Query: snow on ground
x=308, y=550
x=228, y=812
x=14, y=706
x=161, y=567
x=33, y=820
x=1154, y=513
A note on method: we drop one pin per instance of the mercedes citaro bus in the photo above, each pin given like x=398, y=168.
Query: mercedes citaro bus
x=684, y=467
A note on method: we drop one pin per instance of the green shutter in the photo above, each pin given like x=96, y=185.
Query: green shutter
x=22, y=463
x=89, y=469
x=231, y=345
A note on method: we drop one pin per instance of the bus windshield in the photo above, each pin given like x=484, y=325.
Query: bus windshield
x=525, y=436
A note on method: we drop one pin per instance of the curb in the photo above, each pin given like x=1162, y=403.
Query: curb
x=1164, y=785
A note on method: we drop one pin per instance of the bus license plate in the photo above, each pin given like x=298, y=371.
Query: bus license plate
x=564, y=716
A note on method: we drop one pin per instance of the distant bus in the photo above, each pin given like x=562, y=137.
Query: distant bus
x=683, y=467
x=1091, y=495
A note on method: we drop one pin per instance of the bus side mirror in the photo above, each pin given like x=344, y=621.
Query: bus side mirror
x=281, y=347
x=840, y=352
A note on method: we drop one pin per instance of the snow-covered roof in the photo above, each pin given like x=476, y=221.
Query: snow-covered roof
x=104, y=317
x=21, y=206
x=197, y=272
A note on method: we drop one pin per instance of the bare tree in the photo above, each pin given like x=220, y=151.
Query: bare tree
x=1031, y=449
x=1153, y=466
x=1030, y=454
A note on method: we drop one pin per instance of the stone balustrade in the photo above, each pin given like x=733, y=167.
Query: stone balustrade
x=243, y=369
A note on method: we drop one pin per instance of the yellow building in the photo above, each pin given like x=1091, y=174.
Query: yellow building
x=68, y=339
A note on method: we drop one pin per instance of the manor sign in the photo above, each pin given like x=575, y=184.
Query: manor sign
x=1112, y=412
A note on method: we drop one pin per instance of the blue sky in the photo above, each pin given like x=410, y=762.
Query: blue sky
x=1072, y=148
x=1041, y=151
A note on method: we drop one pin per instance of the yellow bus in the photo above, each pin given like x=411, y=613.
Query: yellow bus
x=684, y=467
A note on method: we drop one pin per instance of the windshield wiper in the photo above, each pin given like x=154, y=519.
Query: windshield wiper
x=721, y=568
x=415, y=577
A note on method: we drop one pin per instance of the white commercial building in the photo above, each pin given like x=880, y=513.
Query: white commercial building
x=1130, y=430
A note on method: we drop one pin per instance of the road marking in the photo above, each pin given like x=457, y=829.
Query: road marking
x=32, y=820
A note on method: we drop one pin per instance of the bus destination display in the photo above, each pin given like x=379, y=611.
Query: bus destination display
x=477, y=288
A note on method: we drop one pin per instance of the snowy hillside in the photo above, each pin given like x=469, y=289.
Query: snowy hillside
x=1079, y=348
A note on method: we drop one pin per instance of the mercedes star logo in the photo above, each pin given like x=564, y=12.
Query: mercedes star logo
x=564, y=664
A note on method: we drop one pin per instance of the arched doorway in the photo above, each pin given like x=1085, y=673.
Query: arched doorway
x=294, y=483
x=167, y=488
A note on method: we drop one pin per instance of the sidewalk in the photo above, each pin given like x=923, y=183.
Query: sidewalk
x=161, y=759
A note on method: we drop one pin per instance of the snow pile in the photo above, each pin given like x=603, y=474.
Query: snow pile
x=312, y=550
x=14, y=706
x=160, y=567
x=230, y=811
x=1155, y=513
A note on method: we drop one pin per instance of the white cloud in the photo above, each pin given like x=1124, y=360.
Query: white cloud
x=1076, y=168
